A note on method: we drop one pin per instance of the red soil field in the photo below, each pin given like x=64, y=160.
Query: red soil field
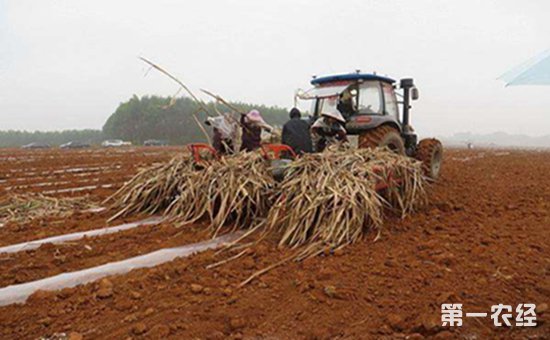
x=483, y=239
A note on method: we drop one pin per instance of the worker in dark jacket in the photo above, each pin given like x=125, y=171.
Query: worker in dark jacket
x=296, y=133
x=252, y=124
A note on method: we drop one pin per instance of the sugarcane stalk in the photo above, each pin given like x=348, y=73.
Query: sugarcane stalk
x=162, y=70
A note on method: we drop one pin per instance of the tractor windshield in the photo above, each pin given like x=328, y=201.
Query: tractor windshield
x=327, y=104
x=338, y=97
x=323, y=91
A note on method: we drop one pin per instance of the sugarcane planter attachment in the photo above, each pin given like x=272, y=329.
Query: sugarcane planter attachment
x=369, y=104
x=278, y=158
x=203, y=154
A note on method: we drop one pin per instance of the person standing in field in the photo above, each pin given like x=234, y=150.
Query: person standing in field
x=252, y=124
x=296, y=133
x=223, y=134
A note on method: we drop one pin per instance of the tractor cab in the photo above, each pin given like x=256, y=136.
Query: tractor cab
x=369, y=104
x=366, y=101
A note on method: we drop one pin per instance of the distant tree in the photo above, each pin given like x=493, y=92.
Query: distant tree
x=153, y=117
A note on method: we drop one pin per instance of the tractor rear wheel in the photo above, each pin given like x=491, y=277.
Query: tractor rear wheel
x=381, y=136
x=430, y=152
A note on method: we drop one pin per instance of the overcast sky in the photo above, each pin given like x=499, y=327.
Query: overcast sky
x=68, y=64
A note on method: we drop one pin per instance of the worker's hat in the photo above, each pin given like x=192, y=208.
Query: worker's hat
x=255, y=117
x=334, y=114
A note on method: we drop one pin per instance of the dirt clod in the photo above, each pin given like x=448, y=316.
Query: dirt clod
x=216, y=335
x=542, y=308
x=104, y=289
x=40, y=295
x=75, y=336
x=45, y=321
x=396, y=322
x=248, y=263
x=139, y=328
x=331, y=292
x=237, y=323
x=326, y=274
x=159, y=331
x=104, y=293
x=430, y=323
x=123, y=304
x=135, y=295
x=196, y=288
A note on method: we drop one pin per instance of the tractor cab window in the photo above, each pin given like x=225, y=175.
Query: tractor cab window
x=327, y=104
x=390, y=101
x=370, y=98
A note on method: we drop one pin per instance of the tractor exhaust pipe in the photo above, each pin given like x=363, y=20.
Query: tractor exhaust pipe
x=406, y=84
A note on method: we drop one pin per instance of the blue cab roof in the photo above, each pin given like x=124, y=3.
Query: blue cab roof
x=350, y=77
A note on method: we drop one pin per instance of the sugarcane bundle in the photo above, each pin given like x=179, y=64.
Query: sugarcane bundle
x=330, y=199
x=154, y=188
x=24, y=208
x=405, y=181
x=236, y=189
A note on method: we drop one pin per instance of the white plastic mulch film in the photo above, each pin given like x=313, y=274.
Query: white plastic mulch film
x=20, y=292
x=76, y=236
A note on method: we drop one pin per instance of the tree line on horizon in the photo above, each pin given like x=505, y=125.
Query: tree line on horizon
x=15, y=138
x=154, y=117
x=139, y=119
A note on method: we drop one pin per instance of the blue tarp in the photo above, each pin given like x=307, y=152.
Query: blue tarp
x=533, y=72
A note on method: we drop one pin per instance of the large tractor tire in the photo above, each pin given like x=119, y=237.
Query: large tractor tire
x=430, y=152
x=381, y=136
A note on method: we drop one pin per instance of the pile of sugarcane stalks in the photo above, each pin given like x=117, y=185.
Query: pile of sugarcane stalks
x=233, y=190
x=154, y=188
x=325, y=201
x=331, y=199
x=25, y=208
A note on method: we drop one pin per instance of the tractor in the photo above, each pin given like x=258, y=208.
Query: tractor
x=369, y=103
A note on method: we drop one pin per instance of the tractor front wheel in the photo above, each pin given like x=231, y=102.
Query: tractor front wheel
x=430, y=152
x=382, y=136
